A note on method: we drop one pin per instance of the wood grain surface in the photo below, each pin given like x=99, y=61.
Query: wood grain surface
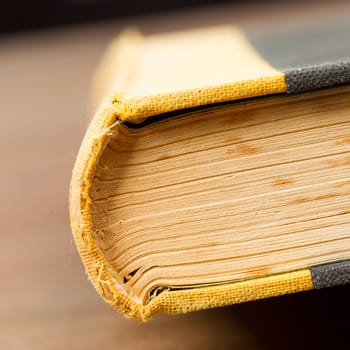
x=46, y=300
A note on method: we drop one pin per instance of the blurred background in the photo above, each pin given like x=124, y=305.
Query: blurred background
x=48, y=53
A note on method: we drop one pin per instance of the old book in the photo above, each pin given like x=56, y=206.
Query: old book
x=216, y=169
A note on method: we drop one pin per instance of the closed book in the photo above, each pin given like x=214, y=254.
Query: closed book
x=216, y=168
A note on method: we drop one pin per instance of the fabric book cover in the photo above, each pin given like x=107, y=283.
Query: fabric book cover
x=216, y=169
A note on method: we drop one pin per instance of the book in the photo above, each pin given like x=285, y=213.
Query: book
x=216, y=168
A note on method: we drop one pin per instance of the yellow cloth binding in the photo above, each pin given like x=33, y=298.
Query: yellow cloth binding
x=162, y=73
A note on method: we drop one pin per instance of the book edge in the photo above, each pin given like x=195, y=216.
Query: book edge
x=168, y=301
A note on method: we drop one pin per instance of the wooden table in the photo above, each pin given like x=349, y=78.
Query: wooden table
x=46, y=300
